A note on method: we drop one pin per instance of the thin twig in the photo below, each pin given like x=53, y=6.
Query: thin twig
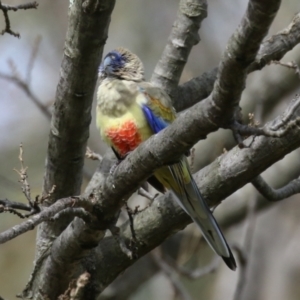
x=196, y=273
x=24, y=86
x=133, y=240
x=243, y=252
x=290, y=65
x=286, y=123
x=271, y=194
x=74, y=212
x=15, y=205
x=170, y=274
x=294, y=105
x=90, y=154
x=23, y=177
x=5, y=8
x=131, y=213
x=44, y=215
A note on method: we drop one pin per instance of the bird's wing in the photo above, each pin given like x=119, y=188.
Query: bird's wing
x=177, y=177
x=157, y=107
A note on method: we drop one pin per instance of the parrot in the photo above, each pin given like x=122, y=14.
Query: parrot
x=129, y=111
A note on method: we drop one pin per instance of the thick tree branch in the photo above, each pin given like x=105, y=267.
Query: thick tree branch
x=86, y=36
x=240, y=52
x=274, y=48
x=183, y=37
x=65, y=155
x=252, y=161
x=75, y=242
x=217, y=181
x=152, y=154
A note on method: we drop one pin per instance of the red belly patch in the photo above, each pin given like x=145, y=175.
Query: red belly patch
x=124, y=138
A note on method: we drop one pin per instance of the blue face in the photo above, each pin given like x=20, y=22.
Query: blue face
x=111, y=64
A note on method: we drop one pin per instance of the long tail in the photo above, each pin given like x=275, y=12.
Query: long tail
x=190, y=199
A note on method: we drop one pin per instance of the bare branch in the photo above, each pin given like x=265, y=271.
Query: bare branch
x=65, y=157
x=11, y=210
x=171, y=275
x=288, y=121
x=44, y=215
x=74, y=212
x=90, y=154
x=133, y=240
x=85, y=38
x=10, y=206
x=23, y=175
x=172, y=270
x=240, y=52
x=23, y=85
x=274, y=195
x=183, y=37
x=293, y=107
x=198, y=272
x=15, y=205
x=5, y=8
x=274, y=48
x=290, y=65
x=243, y=252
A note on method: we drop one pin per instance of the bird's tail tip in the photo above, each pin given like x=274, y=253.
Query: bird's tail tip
x=230, y=262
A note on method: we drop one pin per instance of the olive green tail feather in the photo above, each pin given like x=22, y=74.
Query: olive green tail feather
x=190, y=199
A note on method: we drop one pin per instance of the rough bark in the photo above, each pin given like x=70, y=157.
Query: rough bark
x=66, y=251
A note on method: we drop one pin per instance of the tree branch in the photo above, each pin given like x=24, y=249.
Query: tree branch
x=216, y=182
x=5, y=8
x=23, y=85
x=243, y=252
x=74, y=248
x=274, y=195
x=86, y=36
x=45, y=215
x=274, y=48
x=183, y=37
x=150, y=155
x=240, y=52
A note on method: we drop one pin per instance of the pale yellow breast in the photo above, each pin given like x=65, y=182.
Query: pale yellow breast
x=117, y=103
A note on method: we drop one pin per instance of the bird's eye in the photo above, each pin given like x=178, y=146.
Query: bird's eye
x=113, y=57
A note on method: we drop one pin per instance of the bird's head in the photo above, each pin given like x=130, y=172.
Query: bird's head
x=122, y=64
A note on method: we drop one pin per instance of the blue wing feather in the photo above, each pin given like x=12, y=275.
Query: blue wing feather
x=156, y=123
